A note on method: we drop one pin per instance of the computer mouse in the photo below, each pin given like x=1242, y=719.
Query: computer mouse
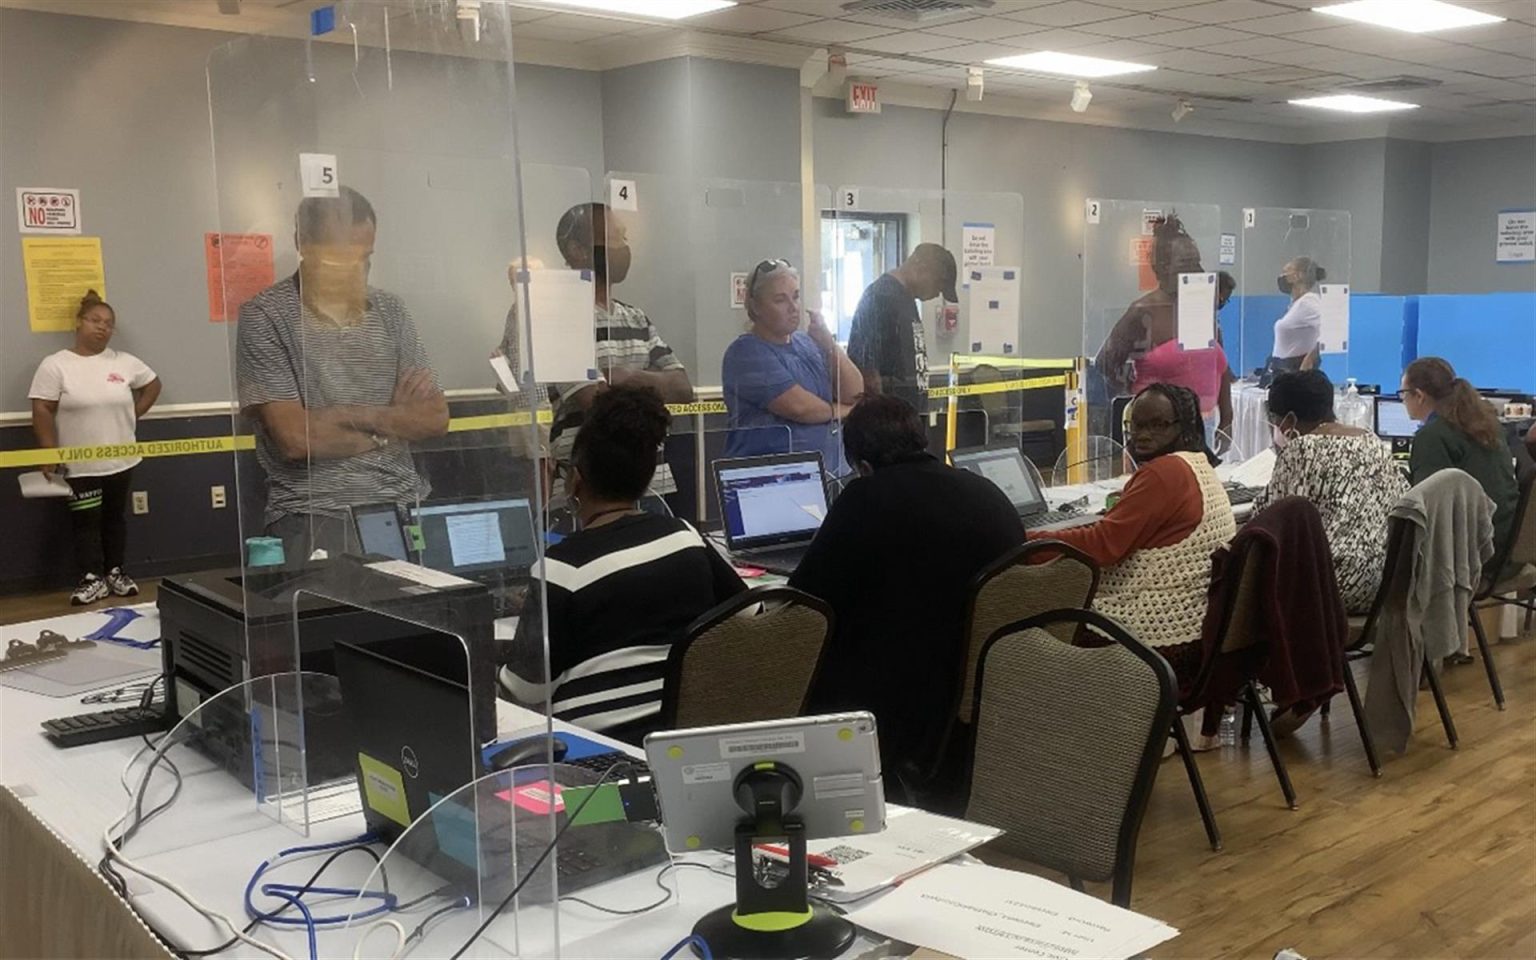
x=521, y=753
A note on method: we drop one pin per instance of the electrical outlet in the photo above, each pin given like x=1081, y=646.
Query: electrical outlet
x=140, y=502
x=217, y=494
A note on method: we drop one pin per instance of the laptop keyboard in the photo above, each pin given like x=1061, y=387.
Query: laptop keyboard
x=1240, y=495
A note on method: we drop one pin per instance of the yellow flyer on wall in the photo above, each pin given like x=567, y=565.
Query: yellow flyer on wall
x=59, y=270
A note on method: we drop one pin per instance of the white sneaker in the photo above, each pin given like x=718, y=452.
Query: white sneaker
x=91, y=589
x=121, y=584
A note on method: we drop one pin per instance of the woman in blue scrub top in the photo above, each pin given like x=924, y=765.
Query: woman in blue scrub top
x=779, y=381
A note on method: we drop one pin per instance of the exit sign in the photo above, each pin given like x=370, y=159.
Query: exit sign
x=863, y=97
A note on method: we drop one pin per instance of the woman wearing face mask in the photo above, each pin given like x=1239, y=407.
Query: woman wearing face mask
x=786, y=390
x=1154, y=547
x=1346, y=473
x=92, y=395
x=1143, y=348
x=623, y=588
x=1296, y=332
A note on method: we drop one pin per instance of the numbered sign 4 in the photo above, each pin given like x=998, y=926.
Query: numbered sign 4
x=622, y=196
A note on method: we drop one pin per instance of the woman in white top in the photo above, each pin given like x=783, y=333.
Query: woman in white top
x=1297, y=331
x=91, y=395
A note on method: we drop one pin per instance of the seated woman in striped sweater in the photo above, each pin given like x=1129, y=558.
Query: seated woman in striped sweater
x=622, y=589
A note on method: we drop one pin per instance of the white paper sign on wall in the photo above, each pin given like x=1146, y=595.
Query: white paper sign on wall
x=1517, y=236
x=48, y=210
x=739, y=290
x=318, y=175
x=978, y=244
x=1149, y=218
x=1093, y=210
x=1228, y=252
x=622, y=195
x=1334, y=337
x=1197, y=311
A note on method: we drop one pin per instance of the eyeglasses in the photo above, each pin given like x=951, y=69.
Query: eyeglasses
x=1150, y=426
x=762, y=270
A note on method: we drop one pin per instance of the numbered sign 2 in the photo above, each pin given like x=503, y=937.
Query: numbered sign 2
x=621, y=195
x=318, y=176
x=1093, y=211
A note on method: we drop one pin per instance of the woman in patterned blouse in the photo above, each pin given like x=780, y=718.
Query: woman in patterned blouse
x=1347, y=474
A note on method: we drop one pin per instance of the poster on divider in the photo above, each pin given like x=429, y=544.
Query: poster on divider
x=978, y=244
x=1517, y=236
x=59, y=270
x=1334, y=337
x=560, y=310
x=1140, y=257
x=1197, y=311
x=991, y=296
x=239, y=266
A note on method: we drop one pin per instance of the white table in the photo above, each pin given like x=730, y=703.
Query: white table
x=1250, y=419
x=213, y=838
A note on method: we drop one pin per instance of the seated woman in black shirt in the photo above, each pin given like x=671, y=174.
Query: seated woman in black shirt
x=895, y=558
x=622, y=589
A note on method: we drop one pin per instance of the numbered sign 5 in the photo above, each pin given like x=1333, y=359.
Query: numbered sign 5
x=1093, y=211
x=848, y=198
x=318, y=176
x=621, y=195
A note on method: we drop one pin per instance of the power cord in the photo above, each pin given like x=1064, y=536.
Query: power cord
x=571, y=817
x=693, y=940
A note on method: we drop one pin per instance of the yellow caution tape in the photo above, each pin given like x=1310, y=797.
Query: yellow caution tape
x=1000, y=386
x=192, y=446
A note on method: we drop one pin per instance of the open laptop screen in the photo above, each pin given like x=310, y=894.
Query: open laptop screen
x=477, y=536
x=771, y=500
x=1392, y=419
x=379, y=532
x=1005, y=467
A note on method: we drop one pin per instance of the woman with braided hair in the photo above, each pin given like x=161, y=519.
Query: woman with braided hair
x=1143, y=348
x=1154, y=546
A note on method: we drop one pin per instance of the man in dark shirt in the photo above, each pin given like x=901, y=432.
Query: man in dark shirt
x=886, y=341
x=895, y=558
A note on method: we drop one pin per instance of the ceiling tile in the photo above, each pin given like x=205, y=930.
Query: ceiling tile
x=1137, y=26
x=743, y=19
x=1200, y=61
x=1226, y=11
x=1522, y=46
x=829, y=31
x=1068, y=13
x=1056, y=40
x=1271, y=48
x=1492, y=65
x=1148, y=6
x=913, y=41
x=1285, y=24
x=975, y=52
x=1121, y=49
x=1199, y=37
x=813, y=8
x=982, y=28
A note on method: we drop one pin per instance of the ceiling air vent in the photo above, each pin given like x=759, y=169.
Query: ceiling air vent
x=1390, y=84
x=916, y=11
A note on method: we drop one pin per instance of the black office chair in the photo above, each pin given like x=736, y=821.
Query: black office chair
x=1515, y=576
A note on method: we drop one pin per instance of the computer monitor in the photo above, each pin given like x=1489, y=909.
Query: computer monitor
x=477, y=537
x=380, y=532
x=1004, y=465
x=768, y=501
x=1392, y=420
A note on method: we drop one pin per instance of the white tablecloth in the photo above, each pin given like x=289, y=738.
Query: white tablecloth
x=1250, y=420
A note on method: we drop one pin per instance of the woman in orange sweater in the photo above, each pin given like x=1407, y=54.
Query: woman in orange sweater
x=1154, y=547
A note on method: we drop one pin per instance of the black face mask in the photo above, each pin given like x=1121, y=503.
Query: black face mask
x=600, y=260
x=1284, y=284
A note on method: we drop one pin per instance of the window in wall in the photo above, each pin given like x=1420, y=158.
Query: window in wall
x=855, y=249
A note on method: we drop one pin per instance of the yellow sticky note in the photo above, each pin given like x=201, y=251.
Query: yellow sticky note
x=59, y=270
x=384, y=789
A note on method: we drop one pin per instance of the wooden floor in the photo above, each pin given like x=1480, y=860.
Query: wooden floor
x=56, y=604
x=1435, y=859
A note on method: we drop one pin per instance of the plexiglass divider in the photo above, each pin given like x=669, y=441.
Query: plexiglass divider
x=1009, y=401
x=395, y=510
x=1280, y=245
x=1134, y=253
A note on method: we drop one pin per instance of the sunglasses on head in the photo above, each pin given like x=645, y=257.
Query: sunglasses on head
x=762, y=270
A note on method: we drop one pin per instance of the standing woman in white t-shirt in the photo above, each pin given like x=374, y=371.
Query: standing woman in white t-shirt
x=1297, y=332
x=91, y=395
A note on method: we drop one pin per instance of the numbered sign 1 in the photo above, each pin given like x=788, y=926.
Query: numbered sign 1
x=318, y=176
x=621, y=195
x=1250, y=218
x=848, y=198
x=1093, y=211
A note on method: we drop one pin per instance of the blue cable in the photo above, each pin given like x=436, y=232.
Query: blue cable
x=290, y=893
x=309, y=921
x=690, y=940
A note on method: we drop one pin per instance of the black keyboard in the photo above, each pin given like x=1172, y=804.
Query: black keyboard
x=115, y=724
x=774, y=561
x=599, y=763
x=1240, y=496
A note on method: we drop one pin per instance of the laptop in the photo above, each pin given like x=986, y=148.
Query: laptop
x=1004, y=465
x=380, y=531
x=407, y=707
x=771, y=507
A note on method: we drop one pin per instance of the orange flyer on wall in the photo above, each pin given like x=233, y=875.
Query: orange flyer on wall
x=239, y=267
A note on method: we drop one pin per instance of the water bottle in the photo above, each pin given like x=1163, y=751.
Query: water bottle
x=1351, y=408
x=1228, y=732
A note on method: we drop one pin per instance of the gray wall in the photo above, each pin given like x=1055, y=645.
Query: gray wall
x=1470, y=183
x=1405, y=226
x=1348, y=175
x=80, y=107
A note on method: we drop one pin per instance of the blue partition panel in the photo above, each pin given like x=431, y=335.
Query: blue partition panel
x=1490, y=338
x=1382, y=338
x=1257, y=320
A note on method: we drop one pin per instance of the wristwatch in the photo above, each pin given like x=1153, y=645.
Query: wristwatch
x=379, y=442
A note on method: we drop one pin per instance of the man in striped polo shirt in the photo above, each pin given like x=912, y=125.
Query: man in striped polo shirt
x=333, y=373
